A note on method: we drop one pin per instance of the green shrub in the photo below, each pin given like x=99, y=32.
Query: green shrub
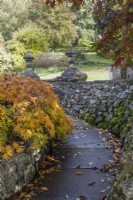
x=30, y=115
x=85, y=43
x=29, y=37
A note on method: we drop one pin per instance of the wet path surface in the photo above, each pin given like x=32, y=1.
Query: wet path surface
x=82, y=162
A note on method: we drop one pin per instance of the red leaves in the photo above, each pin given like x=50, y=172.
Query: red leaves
x=53, y=3
x=117, y=31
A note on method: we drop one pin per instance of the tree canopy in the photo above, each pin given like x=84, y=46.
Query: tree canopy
x=114, y=21
x=13, y=15
x=57, y=23
x=61, y=23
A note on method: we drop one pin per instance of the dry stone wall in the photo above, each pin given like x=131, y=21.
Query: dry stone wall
x=108, y=104
x=100, y=98
x=18, y=171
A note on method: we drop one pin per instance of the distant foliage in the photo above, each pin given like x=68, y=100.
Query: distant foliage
x=84, y=21
x=29, y=37
x=85, y=43
x=30, y=115
x=13, y=15
x=5, y=58
x=56, y=22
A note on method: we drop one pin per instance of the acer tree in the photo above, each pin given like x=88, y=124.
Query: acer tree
x=114, y=20
x=30, y=115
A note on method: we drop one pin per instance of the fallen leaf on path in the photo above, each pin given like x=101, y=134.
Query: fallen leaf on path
x=92, y=183
x=103, y=180
x=77, y=167
x=77, y=154
x=102, y=191
x=103, y=198
x=82, y=198
x=63, y=157
x=44, y=188
x=79, y=173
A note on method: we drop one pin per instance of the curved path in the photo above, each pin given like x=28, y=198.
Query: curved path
x=83, y=159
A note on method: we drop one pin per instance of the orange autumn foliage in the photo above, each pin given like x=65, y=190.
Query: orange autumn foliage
x=30, y=114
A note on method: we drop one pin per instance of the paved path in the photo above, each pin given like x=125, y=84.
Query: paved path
x=82, y=161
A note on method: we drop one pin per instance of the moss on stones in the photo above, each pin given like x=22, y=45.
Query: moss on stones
x=90, y=119
x=103, y=125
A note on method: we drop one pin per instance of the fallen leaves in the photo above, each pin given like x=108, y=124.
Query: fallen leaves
x=66, y=196
x=115, y=144
x=103, y=198
x=102, y=191
x=92, y=183
x=48, y=166
x=44, y=188
x=103, y=180
x=81, y=198
x=79, y=172
x=78, y=167
x=77, y=154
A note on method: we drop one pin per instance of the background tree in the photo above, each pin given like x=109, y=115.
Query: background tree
x=114, y=19
x=56, y=22
x=85, y=26
x=85, y=22
x=28, y=37
x=13, y=15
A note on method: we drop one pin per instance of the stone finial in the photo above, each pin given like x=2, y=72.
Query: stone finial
x=29, y=71
x=28, y=59
x=71, y=53
x=72, y=74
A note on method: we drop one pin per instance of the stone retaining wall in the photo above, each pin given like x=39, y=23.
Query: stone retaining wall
x=18, y=171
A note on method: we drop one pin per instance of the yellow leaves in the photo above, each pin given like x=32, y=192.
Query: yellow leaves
x=10, y=149
x=1, y=149
x=17, y=147
x=5, y=156
x=8, y=152
x=26, y=134
x=30, y=112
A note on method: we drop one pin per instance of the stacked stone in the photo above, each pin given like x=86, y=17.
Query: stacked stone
x=100, y=98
